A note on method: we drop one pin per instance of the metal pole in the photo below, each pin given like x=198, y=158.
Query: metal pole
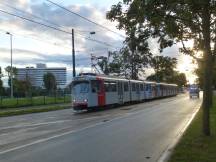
x=73, y=55
x=92, y=57
x=11, y=70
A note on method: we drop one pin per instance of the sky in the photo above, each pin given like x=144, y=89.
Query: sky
x=36, y=44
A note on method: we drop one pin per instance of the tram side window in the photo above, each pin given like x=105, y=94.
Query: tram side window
x=113, y=86
x=153, y=87
x=147, y=87
x=133, y=87
x=107, y=87
x=95, y=85
x=125, y=86
x=137, y=86
x=141, y=87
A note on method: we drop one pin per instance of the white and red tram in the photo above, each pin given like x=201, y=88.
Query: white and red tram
x=89, y=91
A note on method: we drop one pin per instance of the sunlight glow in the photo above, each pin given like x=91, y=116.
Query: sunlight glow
x=187, y=66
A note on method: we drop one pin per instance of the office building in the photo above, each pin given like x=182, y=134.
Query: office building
x=35, y=75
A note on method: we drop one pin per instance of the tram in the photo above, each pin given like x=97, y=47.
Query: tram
x=91, y=90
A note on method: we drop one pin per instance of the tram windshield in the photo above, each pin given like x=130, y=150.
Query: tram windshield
x=80, y=87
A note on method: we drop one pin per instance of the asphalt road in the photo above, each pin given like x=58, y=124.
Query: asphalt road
x=135, y=133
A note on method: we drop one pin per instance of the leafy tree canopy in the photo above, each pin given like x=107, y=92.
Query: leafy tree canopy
x=49, y=82
x=8, y=70
x=164, y=68
x=173, y=21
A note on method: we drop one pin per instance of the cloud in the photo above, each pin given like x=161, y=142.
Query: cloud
x=31, y=52
x=28, y=52
x=25, y=57
x=66, y=21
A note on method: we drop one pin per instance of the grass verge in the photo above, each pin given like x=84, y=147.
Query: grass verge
x=195, y=147
x=34, y=101
x=29, y=110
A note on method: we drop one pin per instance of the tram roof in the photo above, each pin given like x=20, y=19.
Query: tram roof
x=94, y=77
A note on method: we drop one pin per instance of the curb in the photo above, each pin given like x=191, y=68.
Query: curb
x=168, y=151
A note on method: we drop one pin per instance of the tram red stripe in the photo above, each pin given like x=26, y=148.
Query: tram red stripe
x=101, y=93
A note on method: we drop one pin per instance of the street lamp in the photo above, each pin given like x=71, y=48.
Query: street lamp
x=11, y=70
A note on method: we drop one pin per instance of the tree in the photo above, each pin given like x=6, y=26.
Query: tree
x=8, y=70
x=113, y=64
x=23, y=87
x=124, y=63
x=200, y=73
x=175, y=21
x=49, y=82
x=1, y=83
x=136, y=53
x=164, y=68
x=180, y=79
x=9, y=74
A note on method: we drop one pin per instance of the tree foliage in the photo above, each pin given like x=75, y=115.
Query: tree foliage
x=14, y=72
x=200, y=73
x=111, y=64
x=8, y=70
x=136, y=52
x=164, y=68
x=174, y=21
x=23, y=87
x=123, y=63
x=49, y=82
x=1, y=83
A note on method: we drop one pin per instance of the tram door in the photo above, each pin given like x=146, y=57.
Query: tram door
x=120, y=92
x=101, y=93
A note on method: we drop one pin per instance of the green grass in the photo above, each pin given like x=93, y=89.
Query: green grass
x=195, y=147
x=40, y=100
x=29, y=110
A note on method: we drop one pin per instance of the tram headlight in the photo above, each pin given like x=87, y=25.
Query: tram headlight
x=85, y=100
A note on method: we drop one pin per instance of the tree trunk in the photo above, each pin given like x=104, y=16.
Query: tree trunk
x=207, y=88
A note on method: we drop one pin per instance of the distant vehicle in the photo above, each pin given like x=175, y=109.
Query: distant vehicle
x=194, y=91
x=90, y=91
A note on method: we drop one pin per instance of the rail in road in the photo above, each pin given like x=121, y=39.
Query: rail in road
x=135, y=133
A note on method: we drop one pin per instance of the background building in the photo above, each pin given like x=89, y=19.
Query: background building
x=35, y=75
